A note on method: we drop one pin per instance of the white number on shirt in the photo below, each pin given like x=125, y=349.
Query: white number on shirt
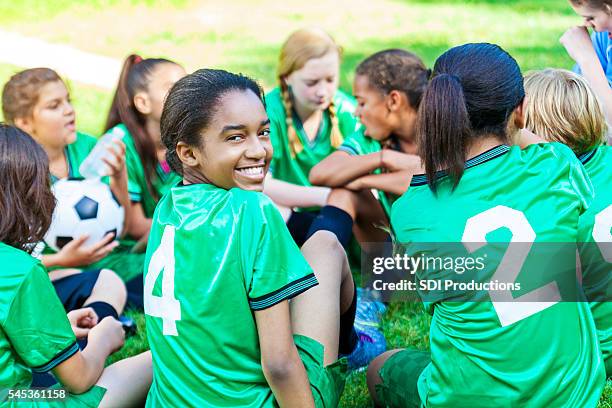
x=602, y=234
x=167, y=306
x=509, y=309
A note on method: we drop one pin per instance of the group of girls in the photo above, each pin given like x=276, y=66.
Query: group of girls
x=249, y=298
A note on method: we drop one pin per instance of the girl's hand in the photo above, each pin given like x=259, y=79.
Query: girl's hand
x=355, y=185
x=108, y=335
x=75, y=254
x=578, y=45
x=116, y=163
x=82, y=320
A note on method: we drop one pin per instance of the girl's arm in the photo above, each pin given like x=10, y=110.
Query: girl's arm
x=293, y=195
x=81, y=371
x=280, y=360
x=579, y=46
x=140, y=225
x=340, y=168
x=395, y=183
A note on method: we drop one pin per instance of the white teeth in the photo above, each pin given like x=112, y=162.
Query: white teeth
x=252, y=171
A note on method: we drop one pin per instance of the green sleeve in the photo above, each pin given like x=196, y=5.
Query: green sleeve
x=278, y=129
x=280, y=271
x=37, y=325
x=579, y=179
x=359, y=144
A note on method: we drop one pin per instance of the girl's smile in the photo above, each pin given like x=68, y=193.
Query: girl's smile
x=235, y=149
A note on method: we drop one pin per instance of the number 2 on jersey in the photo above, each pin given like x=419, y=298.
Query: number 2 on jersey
x=167, y=306
x=602, y=234
x=509, y=309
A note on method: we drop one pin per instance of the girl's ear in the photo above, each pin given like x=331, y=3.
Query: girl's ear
x=395, y=100
x=519, y=114
x=187, y=154
x=142, y=102
x=25, y=124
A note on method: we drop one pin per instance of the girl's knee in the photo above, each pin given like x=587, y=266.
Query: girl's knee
x=342, y=198
x=111, y=282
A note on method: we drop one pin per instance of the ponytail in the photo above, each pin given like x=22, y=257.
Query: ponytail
x=474, y=90
x=443, y=128
x=135, y=77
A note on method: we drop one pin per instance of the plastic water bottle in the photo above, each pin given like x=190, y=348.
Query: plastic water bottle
x=94, y=166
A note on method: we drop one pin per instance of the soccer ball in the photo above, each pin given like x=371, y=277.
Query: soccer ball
x=83, y=207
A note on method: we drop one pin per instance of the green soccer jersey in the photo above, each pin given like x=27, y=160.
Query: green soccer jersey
x=36, y=335
x=506, y=353
x=76, y=152
x=359, y=144
x=137, y=184
x=214, y=257
x=595, y=254
x=296, y=169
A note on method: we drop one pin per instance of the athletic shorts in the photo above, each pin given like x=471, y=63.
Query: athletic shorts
x=326, y=382
x=74, y=290
x=89, y=399
x=400, y=379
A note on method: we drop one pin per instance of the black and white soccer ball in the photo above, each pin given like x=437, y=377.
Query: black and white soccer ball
x=83, y=207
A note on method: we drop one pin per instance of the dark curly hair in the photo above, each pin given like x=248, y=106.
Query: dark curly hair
x=26, y=200
x=396, y=69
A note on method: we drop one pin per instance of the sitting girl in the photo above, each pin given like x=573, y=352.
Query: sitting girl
x=221, y=326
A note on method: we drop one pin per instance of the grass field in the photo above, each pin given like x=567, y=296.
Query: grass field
x=245, y=36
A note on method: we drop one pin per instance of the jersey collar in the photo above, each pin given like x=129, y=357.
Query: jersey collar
x=586, y=157
x=421, y=179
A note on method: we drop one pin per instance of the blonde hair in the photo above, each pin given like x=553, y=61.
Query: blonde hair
x=301, y=46
x=562, y=107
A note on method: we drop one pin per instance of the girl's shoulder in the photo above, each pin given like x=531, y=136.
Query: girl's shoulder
x=256, y=206
x=552, y=151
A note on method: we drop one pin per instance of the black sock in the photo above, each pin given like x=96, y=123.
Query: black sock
x=103, y=310
x=135, y=293
x=335, y=220
x=348, y=336
x=298, y=225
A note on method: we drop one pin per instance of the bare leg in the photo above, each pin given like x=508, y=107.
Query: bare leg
x=373, y=378
x=364, y=209
x=316, y=312
x=62, y=273
x=110, y=289
x=127, y=382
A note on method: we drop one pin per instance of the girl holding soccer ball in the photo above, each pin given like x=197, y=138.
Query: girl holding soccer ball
x=36, y=335
x=38, y=102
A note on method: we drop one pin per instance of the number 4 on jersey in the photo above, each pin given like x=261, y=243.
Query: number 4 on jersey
x=167, y=306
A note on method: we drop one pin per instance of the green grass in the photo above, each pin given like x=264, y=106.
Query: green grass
x=404, y=325
x=245, y=36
